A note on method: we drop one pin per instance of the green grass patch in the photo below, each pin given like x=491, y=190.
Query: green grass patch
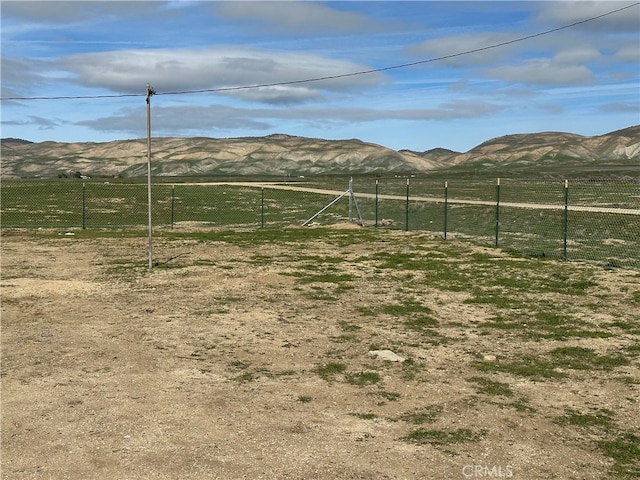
x=406, y=308
x=630, y=326
x=540, y=367
x=239, y=364
x=416, y=315
x=491, y=387
x=526, y=366
x=389, y=396
x=397, y=261
x=361, y=379
x=365, y=416
x=425, y=415
x=498, y=297
x=420, y=322
x=600, y=419
x=345, y=338
x=442, y=437
x=245, y=377
x=633, y=350
x=554, y=326
x=329, y=370
x=261, y=260
x=543, y=325
x=625, y=452
x=581, y=358
x=327, y=293
x=411, y=369
x=505, y=322
x=323, y=277
x=566, y=333
x=522, y=405
x=349, y=327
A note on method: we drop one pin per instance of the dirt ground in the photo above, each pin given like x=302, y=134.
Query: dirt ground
x=210, y=367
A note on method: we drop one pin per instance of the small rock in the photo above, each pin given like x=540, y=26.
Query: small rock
x=386, y=355
x=489, y=358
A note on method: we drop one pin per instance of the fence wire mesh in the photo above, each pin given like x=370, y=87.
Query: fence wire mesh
x=584, y=219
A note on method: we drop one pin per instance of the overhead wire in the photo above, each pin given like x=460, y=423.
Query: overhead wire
x=333, y=77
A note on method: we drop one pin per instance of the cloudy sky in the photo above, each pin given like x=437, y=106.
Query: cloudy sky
x=439, y=74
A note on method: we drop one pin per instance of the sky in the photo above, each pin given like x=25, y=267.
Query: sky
x=438, y=74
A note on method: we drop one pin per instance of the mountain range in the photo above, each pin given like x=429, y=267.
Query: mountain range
x=544, y=153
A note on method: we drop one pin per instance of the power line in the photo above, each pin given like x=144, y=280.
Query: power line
x=343, y=75
x=77, y=97
x=405, y=65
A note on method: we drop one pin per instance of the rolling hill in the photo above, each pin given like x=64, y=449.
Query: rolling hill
x=279, y=154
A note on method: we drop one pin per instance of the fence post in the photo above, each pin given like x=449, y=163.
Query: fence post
x=350, y=199
x=497, y=210
x=84, y=204
x=566, y=219
x=173, y=199
x=262, y=208
x=406, y=210
x=377, y=181
x=446, y=204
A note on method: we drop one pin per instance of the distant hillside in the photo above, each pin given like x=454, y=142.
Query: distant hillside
x=17, y=141
x=271, y=155
x=547, y=153
x=280, y=154
x=554, y=150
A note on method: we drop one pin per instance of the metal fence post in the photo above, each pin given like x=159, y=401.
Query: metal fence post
x=446, y=209
x=84, y=204
x=406, y=210
x=262, y=208
x=350, y=199
x=173, y=200
x=566, y=219
x=497, y=210
x=377, y=181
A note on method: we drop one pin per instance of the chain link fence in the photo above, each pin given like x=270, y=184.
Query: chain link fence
x=582, y=219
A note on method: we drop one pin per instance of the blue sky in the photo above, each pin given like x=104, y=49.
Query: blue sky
x=583, y=79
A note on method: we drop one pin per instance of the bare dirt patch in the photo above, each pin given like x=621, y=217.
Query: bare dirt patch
x=251, y=360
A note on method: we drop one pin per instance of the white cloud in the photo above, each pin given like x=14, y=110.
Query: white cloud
x=177, y=120
x=40, y=122
x=542, y=72
x=629, y=107
x=629, y=53
x=204, y=120
x=577, y=55
x=552, y=109
x=67, y=12
x=278, y=95
x=220, y=67
x=296, y=17
x=564, y=13
x=453, y=45
x=17, y=72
